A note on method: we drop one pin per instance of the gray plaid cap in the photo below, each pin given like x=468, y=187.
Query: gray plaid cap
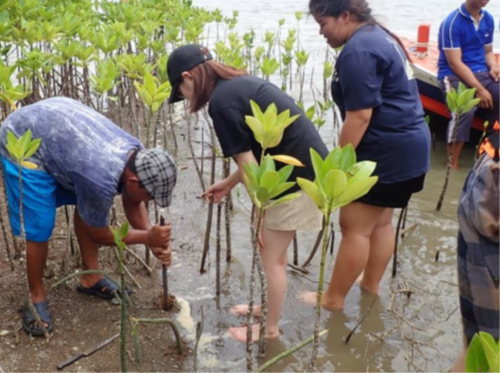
x=157, y=171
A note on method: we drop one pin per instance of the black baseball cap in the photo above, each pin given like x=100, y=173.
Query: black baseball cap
x=184, y=59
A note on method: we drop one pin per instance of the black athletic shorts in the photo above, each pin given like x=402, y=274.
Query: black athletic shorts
x=395, y=195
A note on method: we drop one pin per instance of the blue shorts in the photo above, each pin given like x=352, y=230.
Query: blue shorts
x=42, y=195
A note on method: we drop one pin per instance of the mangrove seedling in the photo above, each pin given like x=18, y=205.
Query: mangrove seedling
x=21, y=149
x=269, y=66
x=459, y=102
x=119, y=234
x=482, y=354
x=152, y=95
x=268, y=127
x=264, y=185
x=339, y=181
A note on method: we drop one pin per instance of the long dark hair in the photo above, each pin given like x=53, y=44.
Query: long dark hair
x=205, y=77
x=357, y=8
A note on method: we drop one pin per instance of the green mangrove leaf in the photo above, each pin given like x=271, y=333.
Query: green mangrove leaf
x=256, y=127
x=32, y=148
x=451, y=100
x=465, y=97
x=267, y=164
x=311, y=189
x=24, y=142
x=490, y=350
x=285, y=173
x=269, y=180
x=335, y=183
x=348, y=158
x=356, y=190
x=256, y=111
x=281, y=188
x=475, y=360
x=470, y=105
x=262, y=195
x=360, y=171
x=332, y=160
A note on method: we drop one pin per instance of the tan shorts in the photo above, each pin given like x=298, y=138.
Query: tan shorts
x=298, y=214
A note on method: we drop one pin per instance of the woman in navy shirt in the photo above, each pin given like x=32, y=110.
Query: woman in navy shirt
x=376, y=92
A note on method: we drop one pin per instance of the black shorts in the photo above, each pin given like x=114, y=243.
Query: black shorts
x=395, y=195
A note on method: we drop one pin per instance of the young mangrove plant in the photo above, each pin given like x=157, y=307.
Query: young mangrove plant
x=119, y=234
x=21, y=149
x=264, y=185
x=339, y=181
x=153, y=96
x=268, y=128
x=459, y=102
x=482, y=354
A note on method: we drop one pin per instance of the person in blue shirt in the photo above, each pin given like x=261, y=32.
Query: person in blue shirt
x=466, y=55
x=85, y=160
x=376, y=92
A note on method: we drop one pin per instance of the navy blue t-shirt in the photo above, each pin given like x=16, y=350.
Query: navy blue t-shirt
x=372, y=71
x=229, y=104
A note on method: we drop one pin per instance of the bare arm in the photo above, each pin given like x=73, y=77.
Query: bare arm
x=489, y=56
x=136, y=213
x=104, y=236
x=355, y=126
x=491, y=62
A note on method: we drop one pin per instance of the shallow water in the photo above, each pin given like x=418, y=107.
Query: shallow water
x=432, y=308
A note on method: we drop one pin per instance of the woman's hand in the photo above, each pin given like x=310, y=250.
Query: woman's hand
x=216, y=192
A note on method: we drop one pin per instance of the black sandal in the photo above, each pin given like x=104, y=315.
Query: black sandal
x=104, y=289
x=29, y=321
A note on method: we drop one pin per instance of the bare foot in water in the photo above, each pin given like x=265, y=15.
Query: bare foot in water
x=311, y=298
x=240, y=333
x=366, y=288
x=242, y=310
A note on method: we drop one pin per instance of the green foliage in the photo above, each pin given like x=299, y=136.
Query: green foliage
x=269, y=66
x=301, y=56
x=327, y=70
x=107, y=73
x=462, y=100
x=264, y=183
x=134, y=65
x=119, y=234
x=22, y=148
x=339, y=179
x=483, y=354
x=268, y=127
x=152, y=95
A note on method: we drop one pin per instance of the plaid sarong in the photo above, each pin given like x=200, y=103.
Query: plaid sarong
x=478, y=249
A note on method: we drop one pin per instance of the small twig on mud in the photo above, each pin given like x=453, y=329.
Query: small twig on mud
x=299, y=273
x=149, y=269
x=127, y=272
x=348, y=338
x=449, y=283
x=405, y=233
x=302, y=270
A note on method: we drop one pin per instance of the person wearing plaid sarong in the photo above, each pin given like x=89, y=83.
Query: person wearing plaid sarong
x=478, y=247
